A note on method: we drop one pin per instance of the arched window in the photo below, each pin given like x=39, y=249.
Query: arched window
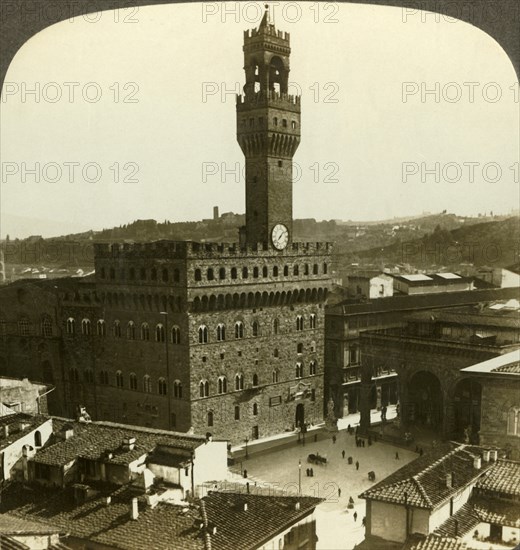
x=204, y=388
x=198, y=275
x=325, y=268
x=275, y=352
x=162, y=387
x=237, y=412
x=119, y=379
x=88, y=376
x=222, y=273
x=159, y=333
x=296, y=270
x=203, y=334
x=147, y=384
x=131, y=273
x=176, y=335
x=275, y=376
x=239, y=329
x=255, y=409
x=275, y=271
x=255, y=328
x=265, y=271
x=306, y=269
x=210, y=274
x=210, y=418
x=104, y=377
x=315, y=269
x=112, y=273
x=255, y=380
x=37, y=438
x=153, y=274
x=312, y=368
x=222, y=384
x=299, y=322
x=299, y=370
x=239, y=382
x=165, y=275
x=145, y=331
x=285, y=270
x=276, y=326
x=255, y=272
x=132, y=379
x=313, y=346
x=177, y=389
x=221, y=332
x=73, y=374
x=142, y=274
x=234, y=274
x=46, y=327
x=116, y=329
x=130, y=330
x=513, y=421
x=245, y=273
x=101, y=328
x=176, y=275
x=299, y=348
x=85, y=327
x=312, y=320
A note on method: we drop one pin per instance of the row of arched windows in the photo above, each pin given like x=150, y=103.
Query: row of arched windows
x=142, y=274
x=148, y=302
x=243, y=300
x=221, y=274
x=146, y=385
x=239, y=329
x=131, y=332
x=283, y=122
x=25, y=327
x=238, y=385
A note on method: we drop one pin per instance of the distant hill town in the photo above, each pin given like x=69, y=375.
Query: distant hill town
x=427, y=242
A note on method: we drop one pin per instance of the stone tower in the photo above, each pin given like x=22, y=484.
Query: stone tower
x=268, y=131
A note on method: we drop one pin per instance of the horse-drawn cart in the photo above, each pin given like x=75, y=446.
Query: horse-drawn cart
x=316, y=459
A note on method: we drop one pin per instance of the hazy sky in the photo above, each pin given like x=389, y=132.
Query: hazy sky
x=137, y=103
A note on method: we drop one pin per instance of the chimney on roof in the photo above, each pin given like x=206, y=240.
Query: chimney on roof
x=477, y=462
x=493, y=455
x=128, y=443
x=449, y=480
x=485, y=456
x=214, y=530
x=108, y=501
x=69, y=432
x=6, y=431
x=297, y=506
x=245, y=507
x=134, y=510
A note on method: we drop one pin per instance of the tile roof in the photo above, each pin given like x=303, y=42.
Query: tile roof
x=165, y=527
x=11, y=524
x=433, y=542
x=15, y=421
x=503, y=478
x=507, y=363
x=460, y=523
x=499, y=512
x=422, y=482
x=8, y=543
x=94, y=439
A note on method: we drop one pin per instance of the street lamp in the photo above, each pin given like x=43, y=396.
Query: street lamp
x=165, y=315
x=299, y=477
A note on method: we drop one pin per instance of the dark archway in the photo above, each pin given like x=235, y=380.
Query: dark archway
x=425, y=403
x=467, y=399
x=299, y=417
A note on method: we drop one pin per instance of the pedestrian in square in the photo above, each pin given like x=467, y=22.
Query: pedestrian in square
x=357, y=464
x=396, y=455
x=339, y=491
x=312, y=472
x=333, y=439
x=363, y=442
x=355, y=516
x=343, y=453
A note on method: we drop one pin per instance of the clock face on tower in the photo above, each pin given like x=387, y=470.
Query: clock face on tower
x=280, y=236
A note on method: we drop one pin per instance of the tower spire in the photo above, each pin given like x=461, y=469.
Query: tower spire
x=266, y=19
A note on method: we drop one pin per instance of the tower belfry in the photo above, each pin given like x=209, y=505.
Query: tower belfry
x=268, y=131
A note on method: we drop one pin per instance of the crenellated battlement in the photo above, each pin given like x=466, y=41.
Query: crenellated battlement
x=190, y=249
x=268, y=30
x=268, y=99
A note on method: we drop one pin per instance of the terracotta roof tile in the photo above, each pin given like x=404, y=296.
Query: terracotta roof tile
x=503, y=478
x=433, y=542
x=422, y=483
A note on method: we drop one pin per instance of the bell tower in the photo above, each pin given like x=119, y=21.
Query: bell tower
x=268, y=132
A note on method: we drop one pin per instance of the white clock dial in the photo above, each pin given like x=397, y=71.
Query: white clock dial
x=280, y=236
